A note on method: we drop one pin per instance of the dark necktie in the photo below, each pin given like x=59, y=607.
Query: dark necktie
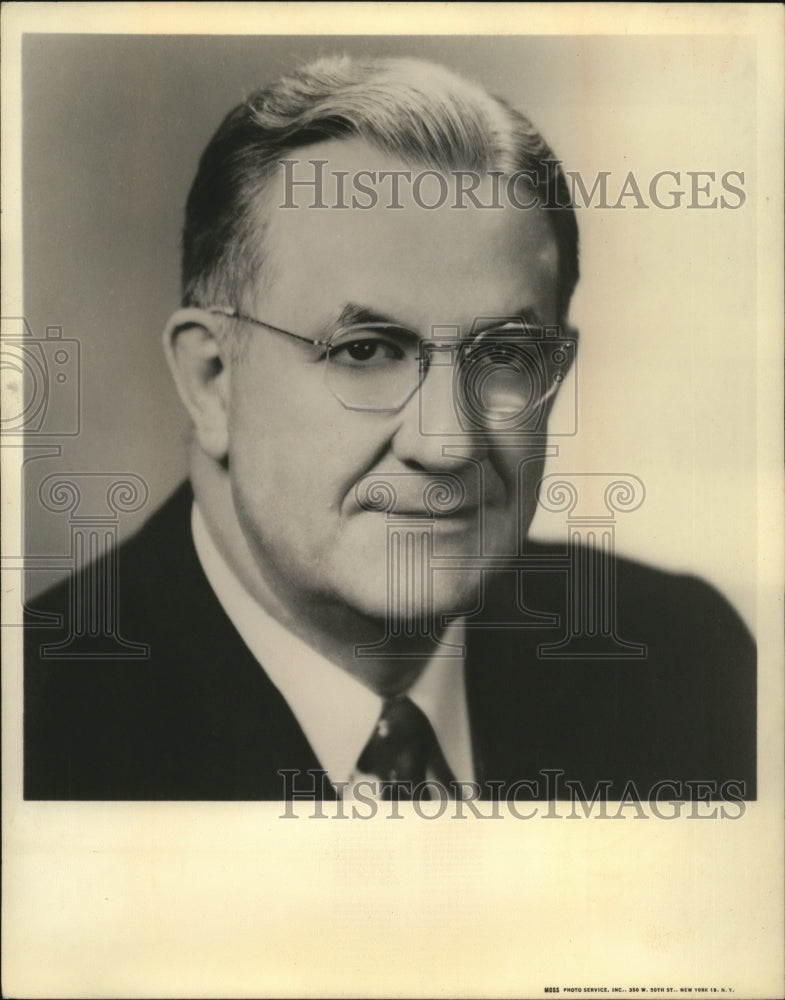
x=400, y=749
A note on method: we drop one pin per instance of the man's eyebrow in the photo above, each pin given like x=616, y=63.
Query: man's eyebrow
x=527, y=315
x=530, y=316
x=353, y=314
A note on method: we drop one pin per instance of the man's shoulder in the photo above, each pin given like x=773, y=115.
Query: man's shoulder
x=156, y=561
x=616, y=670
x=133, y=672
x=629, y=590
x=582, y=605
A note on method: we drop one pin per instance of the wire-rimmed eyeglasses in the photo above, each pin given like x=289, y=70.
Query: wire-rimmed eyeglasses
x=503, y=375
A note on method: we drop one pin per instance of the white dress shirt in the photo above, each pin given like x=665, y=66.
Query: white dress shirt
x=337, y=712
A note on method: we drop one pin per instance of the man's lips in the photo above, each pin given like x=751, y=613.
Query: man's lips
x=413, y=494
x=464, y=512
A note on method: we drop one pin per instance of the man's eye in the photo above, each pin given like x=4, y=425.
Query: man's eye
x=365, y=352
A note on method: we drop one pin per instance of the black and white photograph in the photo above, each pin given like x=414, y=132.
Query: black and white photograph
x=392, y=463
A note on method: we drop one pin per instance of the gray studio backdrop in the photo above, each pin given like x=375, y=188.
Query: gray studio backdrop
x=112, y=130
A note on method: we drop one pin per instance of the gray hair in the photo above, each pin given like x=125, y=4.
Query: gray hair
x=418, y=111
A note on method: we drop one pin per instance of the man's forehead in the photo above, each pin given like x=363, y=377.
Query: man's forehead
x=338, y=214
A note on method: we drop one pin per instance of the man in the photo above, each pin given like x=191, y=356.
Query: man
x=378, y=260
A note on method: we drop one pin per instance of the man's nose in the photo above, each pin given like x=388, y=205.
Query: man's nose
x=433, y=434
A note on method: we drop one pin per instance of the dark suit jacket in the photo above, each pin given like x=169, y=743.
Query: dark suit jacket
x=199, y=719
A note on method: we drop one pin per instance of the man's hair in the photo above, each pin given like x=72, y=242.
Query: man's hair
x=417, y=111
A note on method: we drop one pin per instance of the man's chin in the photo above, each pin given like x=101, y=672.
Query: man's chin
x=416, y=605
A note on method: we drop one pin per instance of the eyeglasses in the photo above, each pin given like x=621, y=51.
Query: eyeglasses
x=502, y=376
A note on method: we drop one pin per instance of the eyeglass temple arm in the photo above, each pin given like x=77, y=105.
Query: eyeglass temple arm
x=234, y=314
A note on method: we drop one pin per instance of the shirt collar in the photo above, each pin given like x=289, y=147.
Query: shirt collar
x=337, y=712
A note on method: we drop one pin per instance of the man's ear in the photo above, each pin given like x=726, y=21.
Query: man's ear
x=200, y=367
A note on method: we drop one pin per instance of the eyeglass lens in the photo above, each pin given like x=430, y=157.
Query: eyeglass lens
x=500, y=378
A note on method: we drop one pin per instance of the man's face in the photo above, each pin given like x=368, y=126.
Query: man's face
x=299, y=459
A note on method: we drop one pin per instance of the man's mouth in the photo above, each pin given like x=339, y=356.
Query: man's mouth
x=465, y=513
x=443, y=496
